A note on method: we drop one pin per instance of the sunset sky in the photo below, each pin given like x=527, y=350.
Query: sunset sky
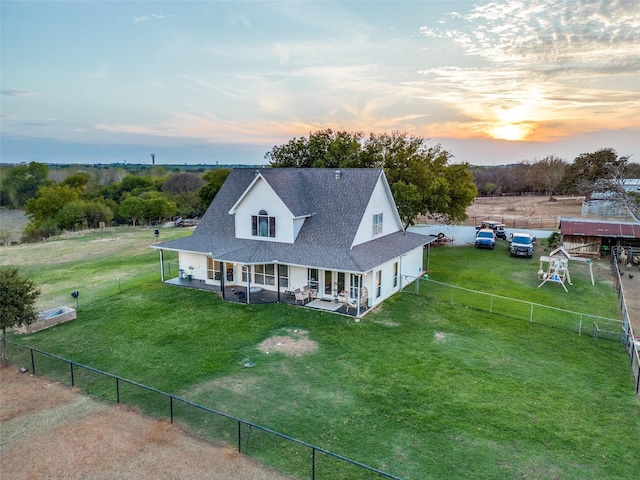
x=494, y=82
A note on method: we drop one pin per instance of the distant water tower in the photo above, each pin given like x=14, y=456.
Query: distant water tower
x=153, y=159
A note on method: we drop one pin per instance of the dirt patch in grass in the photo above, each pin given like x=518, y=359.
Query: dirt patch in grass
x=631, y=287
x=50, y=431
x=439, y=336
x=295, y=343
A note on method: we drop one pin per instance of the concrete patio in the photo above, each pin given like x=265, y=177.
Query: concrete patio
x=238, y=294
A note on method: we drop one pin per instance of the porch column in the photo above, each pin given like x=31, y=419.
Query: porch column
x=359, y=294
x=223, y=275
x=277, y=273
x=249, y=270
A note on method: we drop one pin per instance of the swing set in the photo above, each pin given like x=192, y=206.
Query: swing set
x=557, y=270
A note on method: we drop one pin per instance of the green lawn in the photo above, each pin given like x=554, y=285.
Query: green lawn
x=419, y=388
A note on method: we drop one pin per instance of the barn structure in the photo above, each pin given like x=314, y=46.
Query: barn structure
x=593, y=238
x=608, y=203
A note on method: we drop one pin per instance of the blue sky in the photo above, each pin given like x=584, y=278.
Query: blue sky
x=493, y=82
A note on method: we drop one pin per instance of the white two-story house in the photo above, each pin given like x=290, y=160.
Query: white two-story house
x=335, y=233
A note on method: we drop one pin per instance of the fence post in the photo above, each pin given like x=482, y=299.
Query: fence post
x=72, y=380
x=531, y=314
x=117, y=390
x=313, y=463
x=580, y=326
x=451, y=294
x=33, y=363
x=239, y=437
x=171, y=407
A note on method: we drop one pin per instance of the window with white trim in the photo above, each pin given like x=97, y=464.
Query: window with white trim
x=213, y=269
x=262, y=225
x=313, y=278
x=395, y=274
x=377, y=224
x=378, y=283
x=245, y=271
x=264, y=274
x=283, y=272
x=353, y=285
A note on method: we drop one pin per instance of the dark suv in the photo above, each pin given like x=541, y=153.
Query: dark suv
x=521, y=245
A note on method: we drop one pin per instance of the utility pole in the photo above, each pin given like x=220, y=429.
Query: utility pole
x=153, y=159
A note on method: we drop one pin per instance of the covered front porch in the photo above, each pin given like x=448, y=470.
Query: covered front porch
x=258, y=295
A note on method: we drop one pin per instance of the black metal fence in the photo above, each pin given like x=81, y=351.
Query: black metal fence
x=296, y=457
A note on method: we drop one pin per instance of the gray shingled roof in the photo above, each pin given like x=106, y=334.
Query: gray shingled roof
x=335, y=206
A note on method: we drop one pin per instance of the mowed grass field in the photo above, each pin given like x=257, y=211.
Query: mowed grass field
x=420, y=388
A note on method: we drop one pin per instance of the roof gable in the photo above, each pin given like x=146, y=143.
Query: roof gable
x=335, y=204
x=258, y=180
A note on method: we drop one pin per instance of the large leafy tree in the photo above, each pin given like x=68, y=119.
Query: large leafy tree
x=17, y=302
x=581, y=175
x=83, y=214
x=133, y=208
x=49, y=201
x=545, y=175
x=421, y=179
x=322, y=149
x=157, y=207
x=214, y=178
x=22, y=183
x=78, y=181
x=183, y=188
x=130, y=184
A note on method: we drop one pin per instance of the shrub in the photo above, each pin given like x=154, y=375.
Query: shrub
x=35, y=233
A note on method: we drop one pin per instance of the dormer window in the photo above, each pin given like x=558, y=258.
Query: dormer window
x=377, y=224
x=262, y=225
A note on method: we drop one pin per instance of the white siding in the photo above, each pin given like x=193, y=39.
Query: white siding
x=194, y=264
x=409, y=268
x=262, y=197
x=380, y=202
x=298, y=277
x=297, y=225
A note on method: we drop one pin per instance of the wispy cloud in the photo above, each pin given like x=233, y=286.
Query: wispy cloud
x=540, y=65
x=17, y=92
x=149, y=18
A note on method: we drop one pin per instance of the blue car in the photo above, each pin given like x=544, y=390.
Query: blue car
x=486, y=238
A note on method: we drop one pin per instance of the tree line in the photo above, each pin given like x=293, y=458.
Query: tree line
x=423, y=181
x=79, y=197
x=551, y=175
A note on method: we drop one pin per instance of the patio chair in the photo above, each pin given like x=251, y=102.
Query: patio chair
x=300, y=295
x=312, y=293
